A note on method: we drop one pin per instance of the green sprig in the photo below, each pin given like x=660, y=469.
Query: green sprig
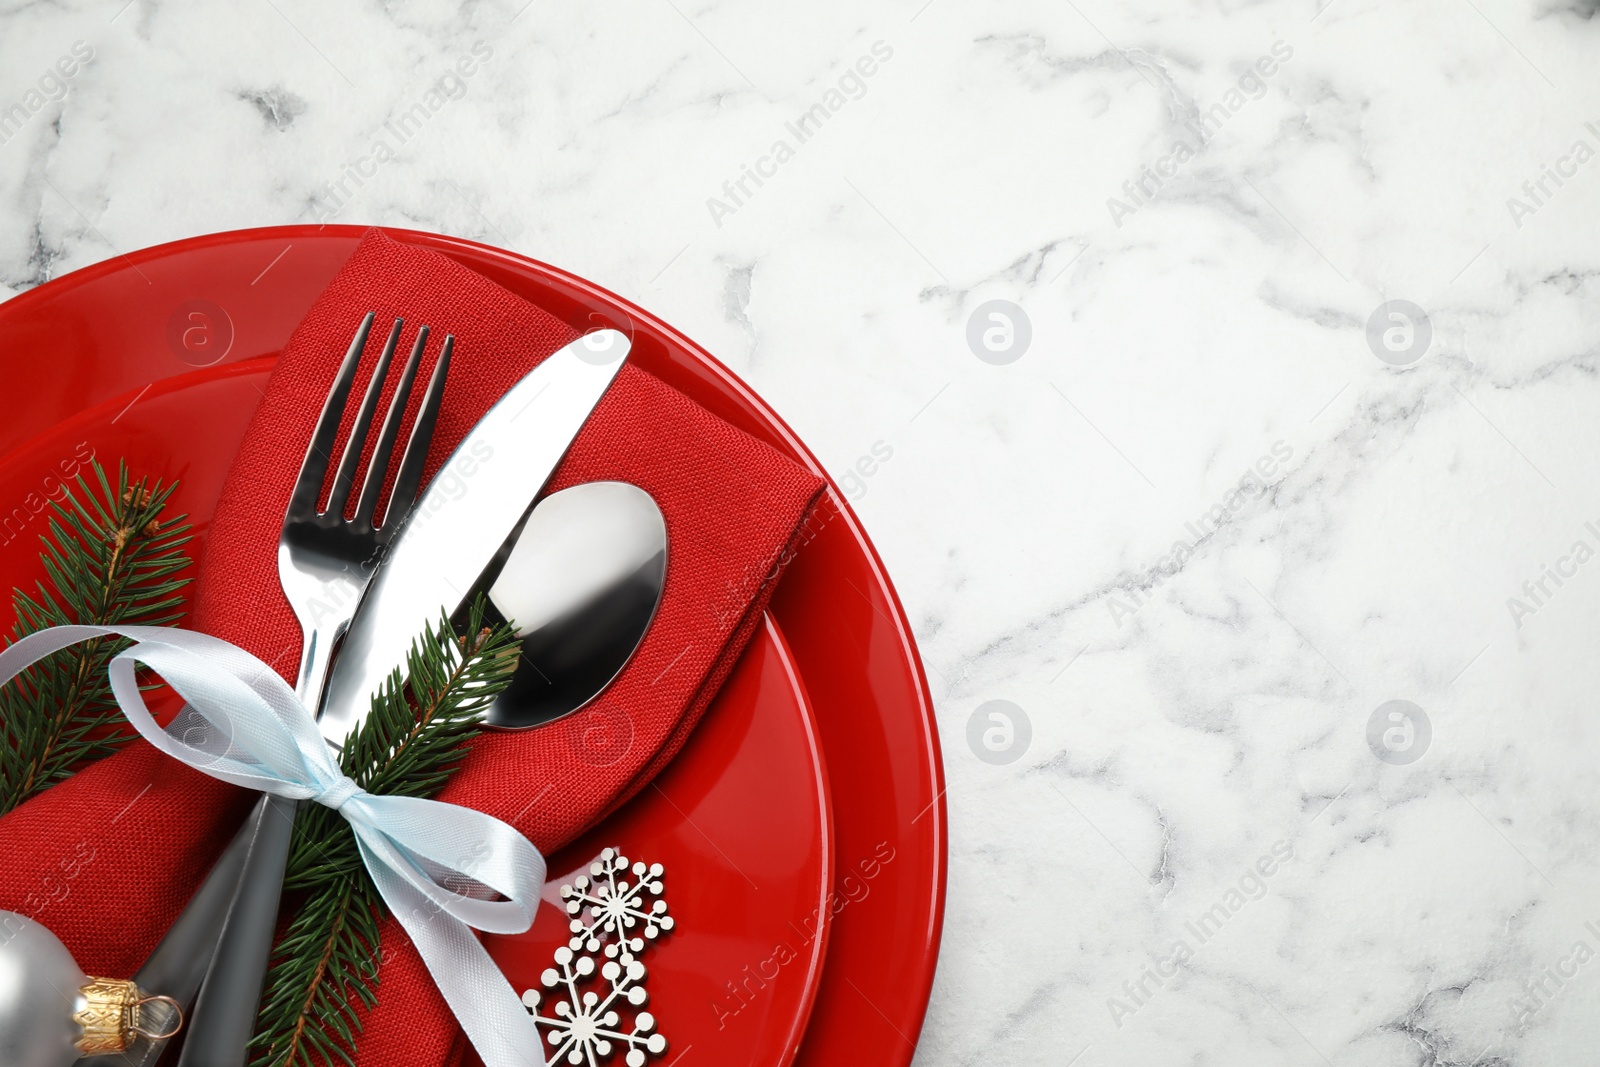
x=325, y=966
x=109, y=560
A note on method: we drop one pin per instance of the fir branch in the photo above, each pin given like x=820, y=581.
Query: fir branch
x=109, y=559
x=325, y=967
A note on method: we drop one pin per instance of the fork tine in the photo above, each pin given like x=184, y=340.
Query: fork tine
x=346, y=475
x=314, y=468
x=407, y=481
x=380, y=466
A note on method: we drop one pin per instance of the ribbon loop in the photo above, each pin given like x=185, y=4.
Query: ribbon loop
x=431, y=862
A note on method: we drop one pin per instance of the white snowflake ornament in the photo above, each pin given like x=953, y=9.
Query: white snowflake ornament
x=585, y=1025
x=615, y=908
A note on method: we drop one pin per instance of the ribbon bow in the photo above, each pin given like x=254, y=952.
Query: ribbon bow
x=245, y=725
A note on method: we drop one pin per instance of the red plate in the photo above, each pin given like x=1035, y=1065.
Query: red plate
x=108, y=332
x=739, y=885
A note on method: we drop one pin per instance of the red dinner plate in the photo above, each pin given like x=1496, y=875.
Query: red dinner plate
x=740, y=819
x=113, y=336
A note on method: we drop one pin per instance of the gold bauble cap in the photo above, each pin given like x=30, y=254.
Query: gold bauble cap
x=113, y=1015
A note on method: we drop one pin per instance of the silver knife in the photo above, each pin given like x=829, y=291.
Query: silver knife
x=456, y=536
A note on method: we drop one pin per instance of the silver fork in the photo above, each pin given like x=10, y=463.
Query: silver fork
x=324, y=564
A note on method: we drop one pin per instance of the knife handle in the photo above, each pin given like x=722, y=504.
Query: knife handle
x=224, y=1018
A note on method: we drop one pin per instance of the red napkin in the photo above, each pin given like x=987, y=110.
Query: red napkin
x=108, y=858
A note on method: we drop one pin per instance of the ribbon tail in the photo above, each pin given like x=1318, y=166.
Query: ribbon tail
x=489, y=1010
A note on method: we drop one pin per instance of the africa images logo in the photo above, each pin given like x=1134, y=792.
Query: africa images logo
x=1205, y=126
x=851, y=85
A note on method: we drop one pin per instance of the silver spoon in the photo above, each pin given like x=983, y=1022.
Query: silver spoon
x=583, y=580
x=581, y=586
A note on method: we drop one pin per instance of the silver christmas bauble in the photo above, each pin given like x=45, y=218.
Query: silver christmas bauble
x=41, y=990
x=52, y=1014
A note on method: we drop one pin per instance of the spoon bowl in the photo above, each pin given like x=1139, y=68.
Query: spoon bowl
x=581, y=585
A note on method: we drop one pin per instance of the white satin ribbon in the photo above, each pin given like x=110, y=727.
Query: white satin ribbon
x=419, y=852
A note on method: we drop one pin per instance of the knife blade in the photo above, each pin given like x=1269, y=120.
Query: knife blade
x=464, y=524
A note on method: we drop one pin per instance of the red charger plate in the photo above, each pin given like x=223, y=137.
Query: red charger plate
x=119, y=329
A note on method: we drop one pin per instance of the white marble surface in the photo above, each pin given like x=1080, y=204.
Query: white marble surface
x=1182, y=723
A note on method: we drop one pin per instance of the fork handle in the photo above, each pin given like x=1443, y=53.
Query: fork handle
x=178, y=964
x=224, y=1017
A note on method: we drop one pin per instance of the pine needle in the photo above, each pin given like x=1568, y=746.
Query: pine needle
x=109, y=559
x=325, y=967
